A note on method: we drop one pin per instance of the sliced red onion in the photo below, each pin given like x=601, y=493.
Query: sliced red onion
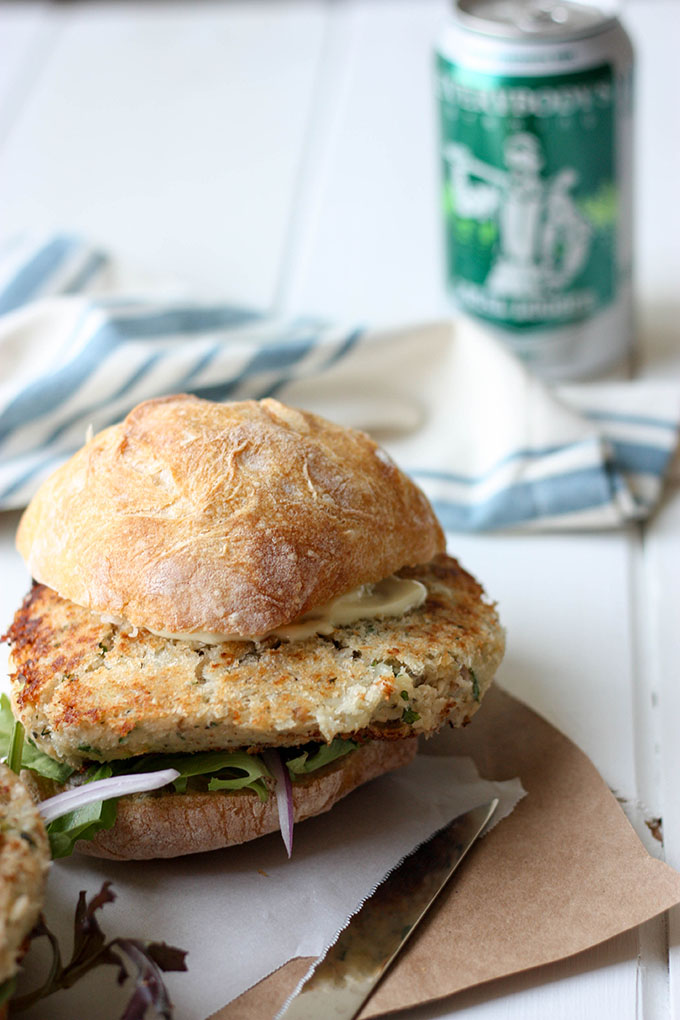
x=284, y=796
x=104, y=789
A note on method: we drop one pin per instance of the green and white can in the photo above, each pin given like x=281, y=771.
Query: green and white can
x=536, y=124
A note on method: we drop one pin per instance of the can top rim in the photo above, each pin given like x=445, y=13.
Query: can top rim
x=533, y=21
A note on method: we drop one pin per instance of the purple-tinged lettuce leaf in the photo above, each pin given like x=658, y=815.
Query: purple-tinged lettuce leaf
x=139, y=960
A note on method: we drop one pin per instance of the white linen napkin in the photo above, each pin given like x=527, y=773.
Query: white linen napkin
x=81, y=343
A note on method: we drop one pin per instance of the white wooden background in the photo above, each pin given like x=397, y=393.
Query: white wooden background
x=282, y=154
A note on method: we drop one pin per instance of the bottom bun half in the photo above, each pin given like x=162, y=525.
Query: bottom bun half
x=173, y=824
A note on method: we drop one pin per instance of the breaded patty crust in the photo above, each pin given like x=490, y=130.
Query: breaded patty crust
x=88, y=690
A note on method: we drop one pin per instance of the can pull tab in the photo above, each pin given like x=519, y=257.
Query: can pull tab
x=534, y=17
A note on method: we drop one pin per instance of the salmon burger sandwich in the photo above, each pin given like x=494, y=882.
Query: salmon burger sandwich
x=249, y=595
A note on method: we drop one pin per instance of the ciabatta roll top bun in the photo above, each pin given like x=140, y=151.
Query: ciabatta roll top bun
x=191, y=516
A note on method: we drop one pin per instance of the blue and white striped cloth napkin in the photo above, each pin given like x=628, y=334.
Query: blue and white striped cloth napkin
x=493, y=447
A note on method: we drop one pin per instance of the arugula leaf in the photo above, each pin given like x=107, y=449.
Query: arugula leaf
x=43, y=764
x=324, y=754
x=229, y=770
x=84, y=822
x=250, y=770
x=31, y=757
x=199, y=764
x=254, y=772
x=6, y=723
x=16, y=748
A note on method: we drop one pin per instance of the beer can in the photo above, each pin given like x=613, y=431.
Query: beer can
x=536, y=118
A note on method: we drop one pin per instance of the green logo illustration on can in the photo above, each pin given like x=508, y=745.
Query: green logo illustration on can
x=529, y=193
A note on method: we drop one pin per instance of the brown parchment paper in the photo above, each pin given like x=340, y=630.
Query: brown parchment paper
x=564, y=872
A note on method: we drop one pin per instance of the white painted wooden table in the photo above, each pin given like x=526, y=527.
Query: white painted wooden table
x=282, y=154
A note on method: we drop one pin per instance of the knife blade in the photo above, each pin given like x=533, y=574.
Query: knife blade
x=340, y=981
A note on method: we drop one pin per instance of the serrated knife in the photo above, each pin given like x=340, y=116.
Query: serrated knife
x=340, y=981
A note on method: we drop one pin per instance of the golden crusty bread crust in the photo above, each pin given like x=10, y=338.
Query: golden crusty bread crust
x=172, y=824
x=24, y=863
x=230, y=518
x=86, y=690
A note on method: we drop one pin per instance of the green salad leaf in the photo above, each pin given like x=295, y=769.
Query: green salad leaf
x=31, y=757
x=15, y=750
x=228, y=770
x=323, y=754
x=6, y=723
x=84, y=822
x=43, y=764
x=235, y=770
x=254, y=773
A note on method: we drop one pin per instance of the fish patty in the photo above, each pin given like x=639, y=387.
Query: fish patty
x=88, y=690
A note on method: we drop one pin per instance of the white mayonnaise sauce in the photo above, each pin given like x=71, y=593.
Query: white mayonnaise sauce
x=392, y=596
